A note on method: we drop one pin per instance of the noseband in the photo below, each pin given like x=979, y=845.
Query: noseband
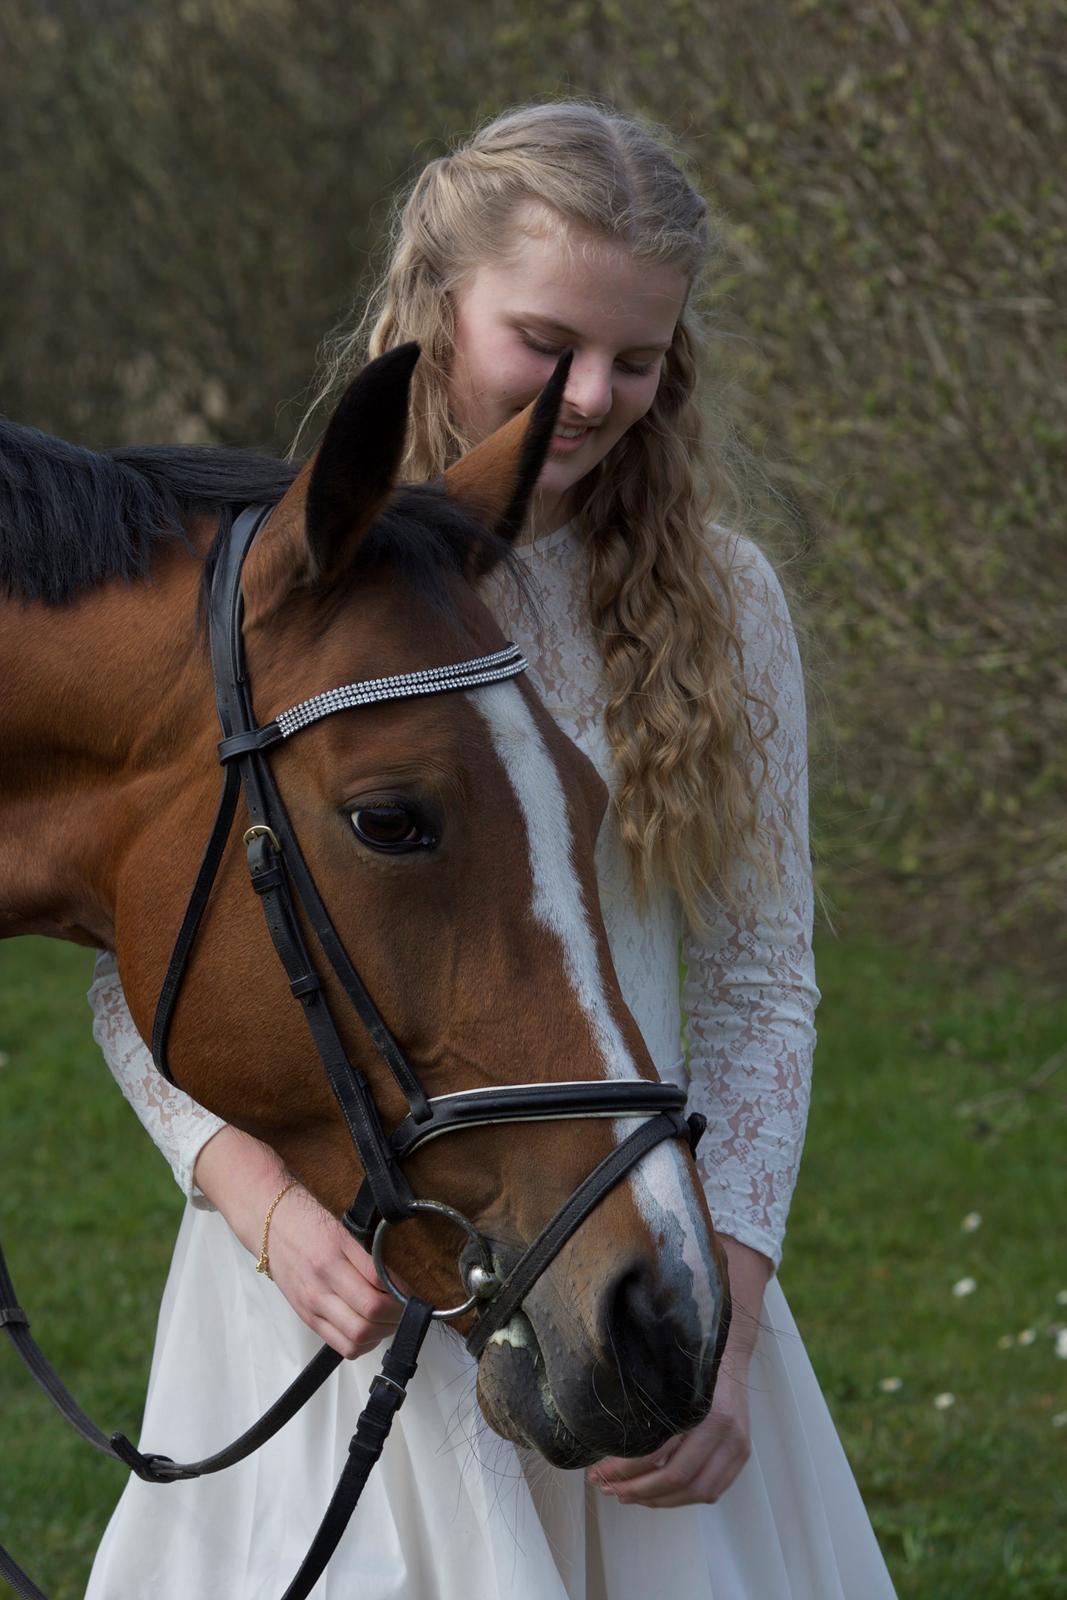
x=281, y=878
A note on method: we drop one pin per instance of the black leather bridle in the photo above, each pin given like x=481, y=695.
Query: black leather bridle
x=282, y=880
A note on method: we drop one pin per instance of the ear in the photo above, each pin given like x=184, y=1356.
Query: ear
x=495, y=480
x=316, y=529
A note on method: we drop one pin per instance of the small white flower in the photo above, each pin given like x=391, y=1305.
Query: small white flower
x=890, y=1385
x=963, y=1287
x=971, y=1221
x=1005, y=1341
x=1061, y=1344
x=4, y=1058
x=943, y=1401
x=1061, y=1298
x=1060, y=1419
x=1027, y=1336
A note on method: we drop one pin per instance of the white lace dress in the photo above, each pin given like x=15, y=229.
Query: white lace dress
x=452, y=1512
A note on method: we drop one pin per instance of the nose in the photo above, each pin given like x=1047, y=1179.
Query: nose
x=589, y=389
x=653, y=1330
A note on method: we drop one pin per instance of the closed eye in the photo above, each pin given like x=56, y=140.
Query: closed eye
x=638, y=370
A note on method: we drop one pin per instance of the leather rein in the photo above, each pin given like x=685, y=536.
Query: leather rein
x=283, y=881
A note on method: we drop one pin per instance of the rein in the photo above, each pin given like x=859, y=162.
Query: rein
x=283, y=881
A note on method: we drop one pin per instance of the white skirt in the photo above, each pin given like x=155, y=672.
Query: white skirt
x=451, y=1512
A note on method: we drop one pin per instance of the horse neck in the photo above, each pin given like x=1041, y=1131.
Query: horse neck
x=94, y=692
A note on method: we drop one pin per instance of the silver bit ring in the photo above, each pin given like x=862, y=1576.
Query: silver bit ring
x=437, y=1206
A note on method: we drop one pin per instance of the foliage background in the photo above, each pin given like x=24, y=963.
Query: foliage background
x=194, y=191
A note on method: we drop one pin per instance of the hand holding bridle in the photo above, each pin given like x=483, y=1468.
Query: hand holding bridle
x=327, y=1278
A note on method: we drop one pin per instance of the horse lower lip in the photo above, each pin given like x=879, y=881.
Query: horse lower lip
x=524, y=1408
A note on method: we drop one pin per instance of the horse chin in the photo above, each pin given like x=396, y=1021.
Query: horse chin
x=516, y=1398
x=520, y=1402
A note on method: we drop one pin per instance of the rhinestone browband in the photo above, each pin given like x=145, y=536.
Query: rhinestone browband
x=506, y=663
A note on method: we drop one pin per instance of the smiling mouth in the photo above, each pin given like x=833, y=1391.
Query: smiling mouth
x=565, y=441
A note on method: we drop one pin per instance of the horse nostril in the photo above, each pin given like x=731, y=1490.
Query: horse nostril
x=655, y=1332
x=632, y=1319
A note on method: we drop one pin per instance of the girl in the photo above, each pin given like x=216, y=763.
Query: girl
x=664, y=648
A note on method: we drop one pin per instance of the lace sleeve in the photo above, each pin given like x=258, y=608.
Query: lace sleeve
x=750, y=992
x=178, y=1125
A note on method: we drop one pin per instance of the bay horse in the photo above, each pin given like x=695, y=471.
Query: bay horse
x=451, y=837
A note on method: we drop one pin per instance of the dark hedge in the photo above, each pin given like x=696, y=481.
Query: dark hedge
x=193, y=194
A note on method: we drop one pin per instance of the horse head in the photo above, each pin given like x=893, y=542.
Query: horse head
x=452, y=840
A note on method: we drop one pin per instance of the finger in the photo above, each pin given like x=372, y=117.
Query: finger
x=345, y=1331
x=701, y=1493
x=361, y=1259
x=722, y=1473
x=648, y=1489
x=665, y=1474
x=706, y=1486
x=377, y=1310
x=389, y=1306
x=319, y=1296
x=363, y=1262
x=363, y=1294
x=345, y=1347
x=618, y=1469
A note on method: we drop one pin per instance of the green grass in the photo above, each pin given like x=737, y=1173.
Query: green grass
x=88, y=1214
x=924, y=1111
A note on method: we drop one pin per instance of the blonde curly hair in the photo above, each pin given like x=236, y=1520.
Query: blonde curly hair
x=690, y=763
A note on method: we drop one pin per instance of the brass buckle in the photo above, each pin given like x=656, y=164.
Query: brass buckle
x=261, y=832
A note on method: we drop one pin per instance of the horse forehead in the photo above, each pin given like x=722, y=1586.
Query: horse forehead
x=528, y=741
x=374, y=625
x=311, y=660
x=438, y=739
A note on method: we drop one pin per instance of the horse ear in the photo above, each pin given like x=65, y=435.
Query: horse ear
x=357, y=461
x=316, y=529
x=495, y=480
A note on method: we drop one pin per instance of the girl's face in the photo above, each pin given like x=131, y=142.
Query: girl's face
x=558, y=288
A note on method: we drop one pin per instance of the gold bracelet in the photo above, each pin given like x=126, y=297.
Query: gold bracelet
x=263, y=1264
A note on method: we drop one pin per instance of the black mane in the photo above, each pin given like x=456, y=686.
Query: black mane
x=72, y=519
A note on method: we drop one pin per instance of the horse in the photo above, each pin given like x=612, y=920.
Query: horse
x=452, y=838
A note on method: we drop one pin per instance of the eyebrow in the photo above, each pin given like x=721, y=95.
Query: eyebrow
x=570, y=333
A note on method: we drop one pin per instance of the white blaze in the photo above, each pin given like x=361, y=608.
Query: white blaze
x=659, y=1181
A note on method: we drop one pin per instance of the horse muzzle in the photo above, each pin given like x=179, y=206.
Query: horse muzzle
x=621, y=1375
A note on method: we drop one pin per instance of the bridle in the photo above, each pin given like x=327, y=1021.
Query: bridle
x=281, y=878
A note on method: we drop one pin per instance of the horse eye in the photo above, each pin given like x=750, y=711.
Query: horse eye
x=391, y=828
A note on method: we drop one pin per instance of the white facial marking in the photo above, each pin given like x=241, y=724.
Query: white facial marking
x=659, y=1182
